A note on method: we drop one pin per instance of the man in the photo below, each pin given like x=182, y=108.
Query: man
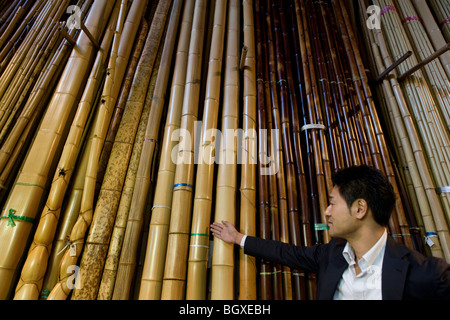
x=361, y=261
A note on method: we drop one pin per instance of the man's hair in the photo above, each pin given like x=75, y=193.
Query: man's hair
x=370, y=184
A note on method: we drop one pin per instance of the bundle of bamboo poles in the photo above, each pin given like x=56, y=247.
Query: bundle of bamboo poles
x=441, y=9
x=137, y=180
x=425, y=93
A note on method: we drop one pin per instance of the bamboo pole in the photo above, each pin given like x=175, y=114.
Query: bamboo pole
x=128, y=258
x=97, y=242
x=151, y=282
x=116, y=69
x=433, y=31
x=27, y=193
x=179, y=229
x=110, y=270
x=222, y=266
x=247, y=267
x=35, y=266
x=201, y=219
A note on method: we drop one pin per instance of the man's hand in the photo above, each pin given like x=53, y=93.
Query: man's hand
x=226, y=232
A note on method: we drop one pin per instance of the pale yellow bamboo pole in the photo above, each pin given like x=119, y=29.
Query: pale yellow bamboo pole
x=35, y=265
x=151, y=281
x=116, y=69
x=201, y=219
x=26, y=195
x=180, y=220
x=247, y=266
x=222, y=287
x=111, y=263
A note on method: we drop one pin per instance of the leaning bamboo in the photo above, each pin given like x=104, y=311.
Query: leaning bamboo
x=433, y=31
x=296, y=132
x=247, y=267
x=121, y=102
x=434, y=70
x=222, y=266
x=201, y=216
x=116, y=69
x=434, y=136
x=429, y=204
x=97, y=242
x=440, y=9
x=151, y=281
x=110, y=270
x=35, y=265
x=128, y=257
x=179, y=229
x=27, y=193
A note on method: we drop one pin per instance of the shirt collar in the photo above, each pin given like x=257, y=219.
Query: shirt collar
x=369, y=257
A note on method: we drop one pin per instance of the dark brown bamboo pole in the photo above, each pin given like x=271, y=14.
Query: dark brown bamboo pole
x=283, y=78
x=265, y=276
x=247, y=267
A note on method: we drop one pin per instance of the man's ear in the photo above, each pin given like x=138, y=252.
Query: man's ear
x=361, y=208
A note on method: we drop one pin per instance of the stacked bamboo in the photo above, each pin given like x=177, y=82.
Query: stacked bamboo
x=441, y=9
x=137, y=181
x=425, y=93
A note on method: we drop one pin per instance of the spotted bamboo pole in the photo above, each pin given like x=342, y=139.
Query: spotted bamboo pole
x=97, y=242
x=152, y=277
x=222, y=266
x=26, y=196
x=180, y=220
x=111, y=263
x=128, y=258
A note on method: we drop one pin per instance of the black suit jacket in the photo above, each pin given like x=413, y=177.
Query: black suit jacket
x=406, y=274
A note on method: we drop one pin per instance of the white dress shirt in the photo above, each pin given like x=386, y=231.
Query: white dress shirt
x=367, y=284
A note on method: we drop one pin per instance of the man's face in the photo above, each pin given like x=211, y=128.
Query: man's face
x=340, y=218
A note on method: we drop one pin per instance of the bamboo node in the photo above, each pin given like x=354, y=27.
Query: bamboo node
x=11, y=217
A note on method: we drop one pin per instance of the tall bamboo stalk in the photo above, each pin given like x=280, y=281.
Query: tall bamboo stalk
x=128, y=258
x=247, y=225
x=180, y=220
x=201, y=219
x=106, y=288
x=222, y=269
x=26, y=196
x=151, y=282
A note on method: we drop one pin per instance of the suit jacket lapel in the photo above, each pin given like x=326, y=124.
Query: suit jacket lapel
x=332, y=274
x=394, y=271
